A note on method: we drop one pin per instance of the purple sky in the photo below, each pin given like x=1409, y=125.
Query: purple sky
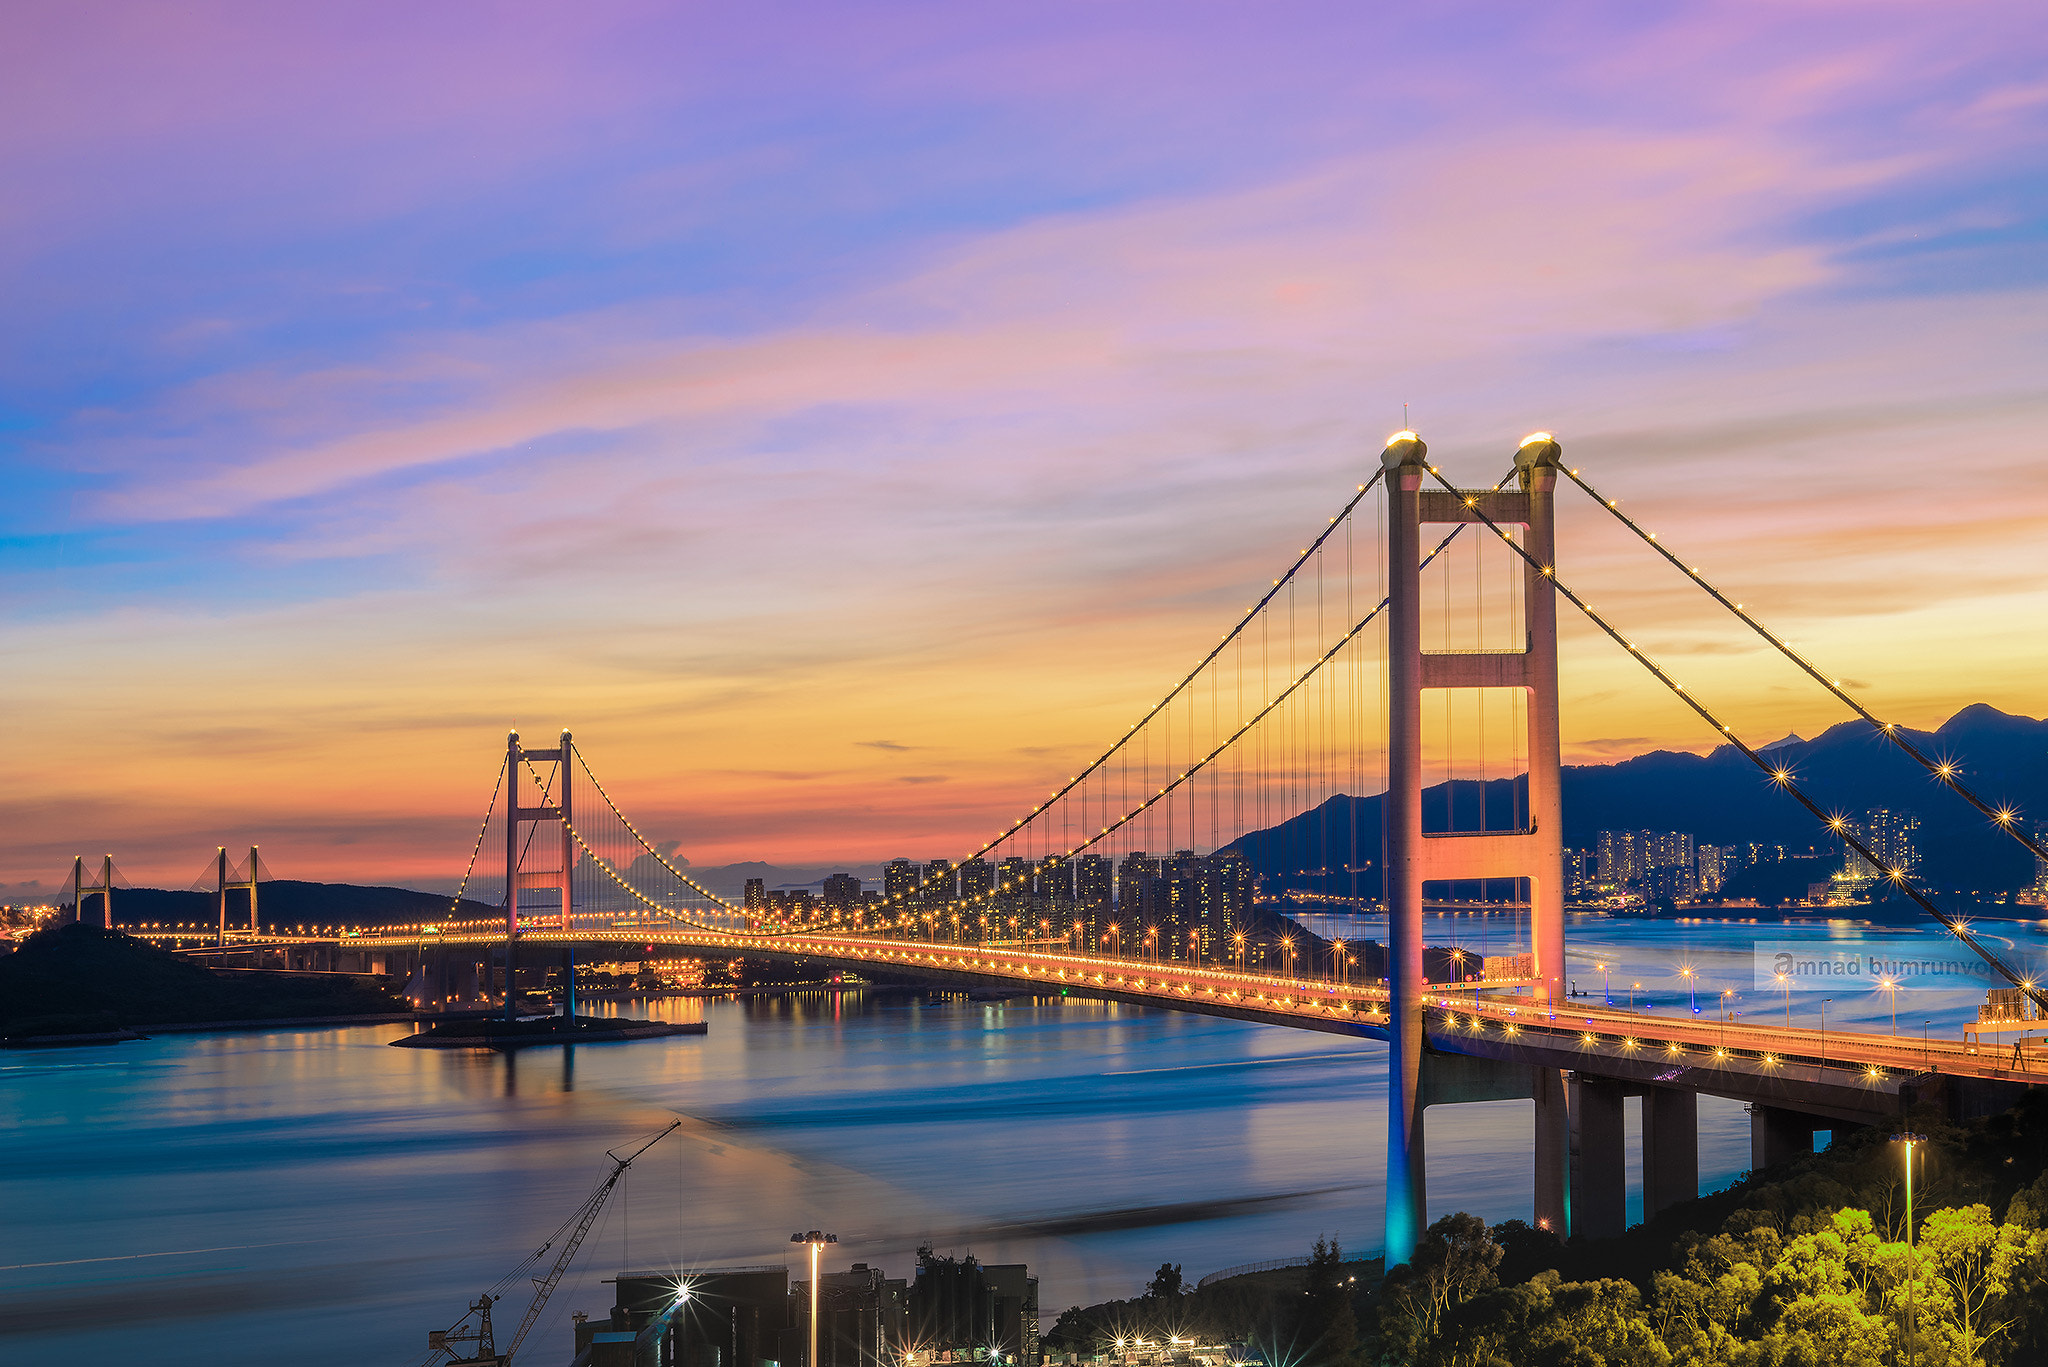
x=745, y=385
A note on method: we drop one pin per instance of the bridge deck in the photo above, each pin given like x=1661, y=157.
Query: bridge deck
x=1608, y=1040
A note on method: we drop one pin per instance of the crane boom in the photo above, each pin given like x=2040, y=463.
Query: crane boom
x=544, y=1287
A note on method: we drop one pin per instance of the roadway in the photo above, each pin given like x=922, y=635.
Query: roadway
x=1484, y=1019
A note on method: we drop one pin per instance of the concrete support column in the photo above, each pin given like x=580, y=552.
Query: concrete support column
x=1599, y=1161
x=1671, y=1149
x=512, y=757
x=1553, y=1151
x=1405, y=463
x=1778, y=1136
x=1536, y=467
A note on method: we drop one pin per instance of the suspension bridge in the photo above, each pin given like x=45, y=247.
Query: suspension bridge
x=1410, y=648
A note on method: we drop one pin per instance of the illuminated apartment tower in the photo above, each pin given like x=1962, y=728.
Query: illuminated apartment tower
x=900, y=881
x=1094, y=879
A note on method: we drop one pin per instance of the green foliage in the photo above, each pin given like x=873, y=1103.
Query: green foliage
x=1166, y=1283
x=1810, y=1267
x=79, y=969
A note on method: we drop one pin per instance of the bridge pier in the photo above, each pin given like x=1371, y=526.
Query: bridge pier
x=1778, y=1136
x=1671, y=1149
x=1599, y=1159
x=1553, y=1209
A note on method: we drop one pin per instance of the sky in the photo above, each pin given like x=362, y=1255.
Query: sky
x=848, y=417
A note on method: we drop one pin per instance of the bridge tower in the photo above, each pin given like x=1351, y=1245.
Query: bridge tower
x=559, y=812
x=80, y=889
x=224, y=884
x=1412, y=859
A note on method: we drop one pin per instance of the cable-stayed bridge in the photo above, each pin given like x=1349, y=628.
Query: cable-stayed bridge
x=1411, y=645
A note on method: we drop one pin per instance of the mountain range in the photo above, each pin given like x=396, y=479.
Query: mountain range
x=1722, y=799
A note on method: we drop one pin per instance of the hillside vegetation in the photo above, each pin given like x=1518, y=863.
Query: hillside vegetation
x=79, y=978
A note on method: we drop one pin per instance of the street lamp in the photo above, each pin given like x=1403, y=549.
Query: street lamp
x=1194, y=946
x=1785, y=985
x=1693, y=986
x=1337, y=946
x=1606, y=984
x=1892, y=990
x=1633, y=988
x=817, y=1243
x=1238, y=940
x=1287, y=943
x=1824, y=1030
x=1910, y=1140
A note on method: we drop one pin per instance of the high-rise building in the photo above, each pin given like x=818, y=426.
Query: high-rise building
x=1180, y=911
x=841, y=892
x=2037, y=891
x=1713, y=868
x=1225, y=900
x=1137, y=891
x=1892, y=836
x=977, y=876
x=1016, y=888
x=1094, y=896
x=1627, y=856
x=1621, y=856
x=1581, y=871
x=941, y=884
x=901, y=879
x=755, y=898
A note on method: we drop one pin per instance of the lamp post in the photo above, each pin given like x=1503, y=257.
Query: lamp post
x=1785, y=986
x=1891, y=989
x=1693, y=987
x=817, y=1243
x=1606, y=984
x=1910, y=1140
x=1824, y=1030
x=1238, y=941
x=1633, y=988
x=1287, y=943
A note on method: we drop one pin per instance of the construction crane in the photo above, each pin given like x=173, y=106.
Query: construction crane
x=447, y=1346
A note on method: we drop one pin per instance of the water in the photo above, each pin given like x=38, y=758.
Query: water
x=314, y=1195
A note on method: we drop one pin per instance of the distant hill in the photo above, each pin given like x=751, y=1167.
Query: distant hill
x=288, y=902
x=1722, y=799
x=78, y=978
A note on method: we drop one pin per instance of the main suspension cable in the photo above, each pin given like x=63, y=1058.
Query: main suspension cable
x=1117, y=747
x=2002, y=818
x=899, y=899
x=658, y=855
x=455, y=904
x=1777, y=773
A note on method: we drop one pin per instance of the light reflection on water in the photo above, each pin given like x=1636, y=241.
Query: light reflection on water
x=231, y=1197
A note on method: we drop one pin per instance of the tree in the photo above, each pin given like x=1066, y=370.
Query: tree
x=1329, y=1326
x=1454, y=1261
x=1975, y=1262
x=1166, y=1284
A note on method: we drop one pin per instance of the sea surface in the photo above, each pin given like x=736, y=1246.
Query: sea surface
x=313, y=1196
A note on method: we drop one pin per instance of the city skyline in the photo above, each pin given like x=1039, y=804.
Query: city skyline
x=848, y=433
